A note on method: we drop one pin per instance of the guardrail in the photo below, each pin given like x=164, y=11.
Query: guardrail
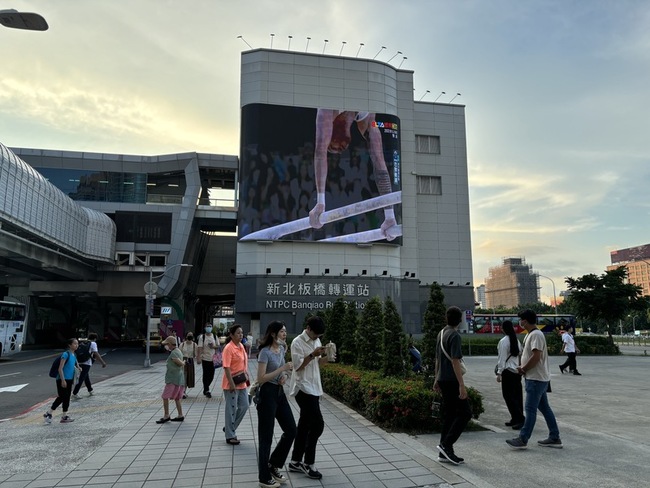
x=632, y=340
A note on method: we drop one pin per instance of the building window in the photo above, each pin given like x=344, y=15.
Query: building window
x=143, y=227
x=427, y=144
x=429, y=185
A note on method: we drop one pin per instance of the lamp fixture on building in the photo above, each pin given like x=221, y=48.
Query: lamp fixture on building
x=268, y=270
x=287, y=271
x=306, y=270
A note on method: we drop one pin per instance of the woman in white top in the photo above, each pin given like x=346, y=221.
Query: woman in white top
x=509, y=354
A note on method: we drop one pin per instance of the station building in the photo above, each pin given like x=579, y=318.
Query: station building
x=243, y=221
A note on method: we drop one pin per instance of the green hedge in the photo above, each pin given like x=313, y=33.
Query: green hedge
x=486, y=345
x=392, y=403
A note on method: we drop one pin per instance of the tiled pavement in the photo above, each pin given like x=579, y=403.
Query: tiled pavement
x=115, y=442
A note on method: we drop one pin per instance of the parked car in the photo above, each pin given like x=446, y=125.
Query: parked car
x=155, y=343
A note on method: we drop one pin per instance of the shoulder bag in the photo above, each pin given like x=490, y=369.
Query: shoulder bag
x=463, y=368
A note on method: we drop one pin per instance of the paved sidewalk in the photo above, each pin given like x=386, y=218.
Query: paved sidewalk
x=115, y=442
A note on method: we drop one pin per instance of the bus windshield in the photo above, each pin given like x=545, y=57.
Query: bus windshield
x=12, y=327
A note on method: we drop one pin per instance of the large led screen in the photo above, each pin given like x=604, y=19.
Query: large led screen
x=319, y=175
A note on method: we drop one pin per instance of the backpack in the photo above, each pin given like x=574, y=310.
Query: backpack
x=83, y=352
x=54, y=369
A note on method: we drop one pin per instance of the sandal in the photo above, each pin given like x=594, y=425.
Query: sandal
x=163, y=420
x=178, y=419
x=233, y=441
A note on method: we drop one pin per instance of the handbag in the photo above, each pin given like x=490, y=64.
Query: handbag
x=254, y=393
x=240, y=378
x=217, y=358
x=463, y=368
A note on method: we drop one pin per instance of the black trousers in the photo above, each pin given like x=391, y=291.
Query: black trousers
x=512, y=394
x=310, y=428
x=273, y=405
x=570, y=361
x=63, y=395
x=456, y=414
x=84, y=377
x=208, y=374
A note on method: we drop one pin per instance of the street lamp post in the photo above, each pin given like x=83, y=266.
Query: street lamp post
x=554, y=296
x=150, y=289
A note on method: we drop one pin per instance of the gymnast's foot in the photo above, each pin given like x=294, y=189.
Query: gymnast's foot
x=389, y=229
x=314, y=216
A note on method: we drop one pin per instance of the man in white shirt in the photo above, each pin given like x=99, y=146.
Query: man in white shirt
x=569, y=347
x=534, y=367
x=84, y=377
x=308, y=353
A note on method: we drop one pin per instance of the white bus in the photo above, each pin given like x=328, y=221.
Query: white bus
x=12, y=327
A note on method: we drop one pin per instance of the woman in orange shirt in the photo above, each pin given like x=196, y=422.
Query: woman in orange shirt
x=234, y=382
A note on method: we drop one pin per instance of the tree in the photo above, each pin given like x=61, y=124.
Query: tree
x=606, y=297
x=435, y=318
x=394, y=341
x=349, y=345
x=370, y=334
x=335, y=329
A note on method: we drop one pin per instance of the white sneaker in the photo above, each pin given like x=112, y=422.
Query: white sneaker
x=91, y=393
x=47, y=417
x=76, y=397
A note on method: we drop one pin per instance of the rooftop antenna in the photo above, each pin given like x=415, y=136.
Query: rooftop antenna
x=382, y=48
x=272, y=36
x=359, y=50
x=307, y=46
x=325, y=45
x=441, y=94
x=403, y=59
x=398, y=52
x=289, y=46
x=456, y=95
x=424, y=95
x=242, y=38
x=343, y=43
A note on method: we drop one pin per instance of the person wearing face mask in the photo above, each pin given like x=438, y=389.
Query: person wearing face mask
x=188, y=348
x=174, y=382
x=207, y=345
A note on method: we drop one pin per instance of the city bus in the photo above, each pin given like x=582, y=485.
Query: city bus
x=12, y=327
x=486, y=323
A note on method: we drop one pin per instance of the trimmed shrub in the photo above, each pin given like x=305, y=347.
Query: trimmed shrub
x=392, y=403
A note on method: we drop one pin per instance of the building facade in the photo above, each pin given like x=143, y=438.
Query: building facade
x=280, y=277
x=637, y=261
x=511, y=284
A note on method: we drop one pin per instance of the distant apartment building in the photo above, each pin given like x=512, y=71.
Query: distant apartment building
x=480, y=296
x=511, y=284
x=637, y=261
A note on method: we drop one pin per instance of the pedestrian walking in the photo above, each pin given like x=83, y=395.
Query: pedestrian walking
x=234, y=383
x=174, y=381
x=509, y=350
x=64, y=382
x=86, y=358
x=189, y=350
x=308, y=353
x=534, y=367
x=207, y=346
x=456, y=411
x=569, y=347
x=272, y=373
